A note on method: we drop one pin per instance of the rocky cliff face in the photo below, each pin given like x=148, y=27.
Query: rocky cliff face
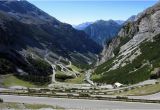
x=107, y=52
x=129, y=49
x=144, y=27
x=113, y=48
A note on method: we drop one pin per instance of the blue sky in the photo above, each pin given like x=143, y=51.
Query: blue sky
x=76, y=12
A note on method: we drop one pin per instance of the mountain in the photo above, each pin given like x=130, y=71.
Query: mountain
x=102, y=31
x=133, y=56
x=130, y=19
x=27, y=35
x=120, y=22
x=82, y=26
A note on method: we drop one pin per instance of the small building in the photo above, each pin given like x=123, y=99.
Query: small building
x=117, y=84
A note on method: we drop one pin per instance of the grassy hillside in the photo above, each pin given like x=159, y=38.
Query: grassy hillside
x=37, y=71
x=137, y=70
x=77, y=80
x=10, y=80
x=145, y=90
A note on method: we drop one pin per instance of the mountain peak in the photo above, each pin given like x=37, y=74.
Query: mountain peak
x=25, y=11
x=108, y=22
x=102, y=31
x=82, y=26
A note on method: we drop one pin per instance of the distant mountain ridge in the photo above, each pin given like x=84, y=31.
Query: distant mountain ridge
x=101, y=31
x=86, y=24
x=120, y=22
x=82, y=26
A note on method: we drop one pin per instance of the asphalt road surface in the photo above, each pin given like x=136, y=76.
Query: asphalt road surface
x=155, y=96
x=80, y=104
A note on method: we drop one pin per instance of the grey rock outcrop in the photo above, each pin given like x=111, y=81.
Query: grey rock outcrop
x=145, y=26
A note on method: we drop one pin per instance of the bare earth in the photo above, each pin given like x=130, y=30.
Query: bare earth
x=80, y=104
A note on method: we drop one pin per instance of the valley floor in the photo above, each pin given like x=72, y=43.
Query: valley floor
x=79, y=104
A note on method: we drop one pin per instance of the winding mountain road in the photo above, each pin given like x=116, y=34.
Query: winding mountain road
x=52, y=65
x=87, y=77
x=81, y=104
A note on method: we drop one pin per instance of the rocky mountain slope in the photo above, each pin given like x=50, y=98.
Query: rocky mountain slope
x=27, y=33
x=134, y=55
x=131, y=19
x=102, y=31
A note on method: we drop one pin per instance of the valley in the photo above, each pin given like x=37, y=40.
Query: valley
x=94, y=65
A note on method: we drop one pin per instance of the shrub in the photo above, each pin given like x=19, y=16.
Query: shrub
x=1, y=100
x=6, y=66
x=84, y=95
x=45, y=90
x=39, y=71
x=42, y=67
x=116, y=51
x=62, y=76
x=30, y=91
x=121, y=97
x=135, y=71
x=70, y=95
x=53, y=92
x=104, y=67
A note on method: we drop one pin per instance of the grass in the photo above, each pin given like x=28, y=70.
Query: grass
x=81, y=62
x=11, y=80
x=145, y=90
x=75, y=68
x=104, y=67
x=38, y=106
x=61, y=76
x=9, y=105
x=77, y=80
x=96, y=77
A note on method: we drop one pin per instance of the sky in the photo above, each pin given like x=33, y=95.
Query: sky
x=77, y=12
